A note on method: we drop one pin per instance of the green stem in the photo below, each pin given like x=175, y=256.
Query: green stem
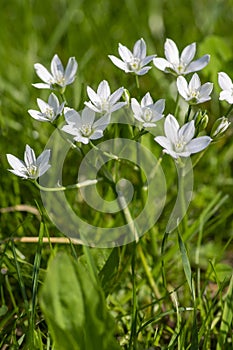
x=109, y=155
x=69, y=187
x=137, y=81
x=133, y=333
x=176, y=105
x=188, y=114
x=229, y=110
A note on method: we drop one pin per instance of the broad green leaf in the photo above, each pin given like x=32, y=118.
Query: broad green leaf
x=74, y=308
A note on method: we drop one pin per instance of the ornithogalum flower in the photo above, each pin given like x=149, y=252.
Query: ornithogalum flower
x=83, y=126
x=180, y=141
x=194, y=93
x=219, y=127
x=147, y=112
x=226, y=85
x=133, y=62
x=49, y=111
x=103, y=101
x=59, y=77
x=180, y=64
x=31, y=167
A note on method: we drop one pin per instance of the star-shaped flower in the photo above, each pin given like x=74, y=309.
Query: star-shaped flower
x=180, y=64
x=30, y=168
x=59, y=77
x=180, y=141
x=133, y=62
x=48, y=111
x=103, y=101
x=194, y=92
x=84, y=127
x=226, y=85
x=148, y=112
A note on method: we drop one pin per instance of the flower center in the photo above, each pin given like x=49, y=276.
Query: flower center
x=180, y=145
x=134, y=64
x=49, y=112
x=86, y=129
x=181, y=67
x=105, y=105
x=147, y=114
x=32, y=170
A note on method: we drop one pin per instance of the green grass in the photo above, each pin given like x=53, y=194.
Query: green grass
x=168, y=291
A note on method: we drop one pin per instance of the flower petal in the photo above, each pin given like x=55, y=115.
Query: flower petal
x=171, y=127
x=93, y=96
x=188, y=53
x=71, y=70
x=182, y=87
x=119, y=63
x=195, y=82
x=198, y=64
x=187, y=131
x=161, y=63
x=43, y=74
x=171, y=52
x=72, y=117
x=29, y=156
x=146, y=100
x=15, y=162
x=88, y=116
x=139, y=49
x=198, y=144
x=116, y=95
x=125, y=53
x=104, y=90
x=57, y=68
x=224, y=81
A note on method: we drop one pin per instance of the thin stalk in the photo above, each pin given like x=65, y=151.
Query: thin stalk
x=69, y=187
x=177, y=104
x=229, y=110
x=133, y=334
x=188, y=114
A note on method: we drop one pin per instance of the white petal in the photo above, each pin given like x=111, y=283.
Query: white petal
x=147, y=60
x=70, y=70
x=159, y=106
x=57, y=68
x=119, y=63
x=15, y=162
x=188, y=53
x=139, y=49
x=88, y=116
x=117, y=106
x=41, y=86
x=198, y=144
x=125, y=53
x=198, y=64
x=43, y=157
x=42, y=105
x=143, y=71
x=224, y=81
x=171, y=51
x=182, y=87
x=22, y=173
x=195, y=82
x=164, y=142
x=93, y=96
x=29, y=156
x=43, y=74
x=97, y=134
x=146, y=100
x=206, y=89
x=137, y=109
x=102, y=123
x=70, y=129
x=104, y=90
x=187, y=131
x=72, y=117
x=226, y=95
x=94, y=108
x=161, y=63
x=116, y=95
x=37, y=115
x=53, y=101
x=171, y=127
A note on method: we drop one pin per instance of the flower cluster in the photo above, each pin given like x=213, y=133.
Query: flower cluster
x=177, y=141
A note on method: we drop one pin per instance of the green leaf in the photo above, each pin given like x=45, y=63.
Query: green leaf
x=74, y=308
x=186, y=264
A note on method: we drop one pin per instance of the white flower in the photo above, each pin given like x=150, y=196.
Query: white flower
x=226, y=85
x=58, y=76
x=219, y=127
x=180, y=64
x=135, y=61
x=148, y=112
x=194, y=92
x=180, y=142
x=48, y=111
x=30, y=168
x=103, y=101
x=84, y=127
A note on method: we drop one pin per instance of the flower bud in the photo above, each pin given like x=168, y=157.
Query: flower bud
x=126, y=96
x=204, y=122
x=219, y=127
